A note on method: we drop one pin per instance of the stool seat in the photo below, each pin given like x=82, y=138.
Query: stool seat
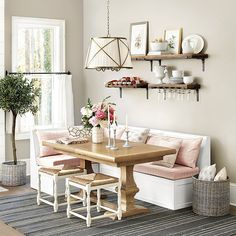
x=60, y=171
x=94, y=179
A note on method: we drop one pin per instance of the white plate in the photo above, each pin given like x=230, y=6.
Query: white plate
x=196, y=42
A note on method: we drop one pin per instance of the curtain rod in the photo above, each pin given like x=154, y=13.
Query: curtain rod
x=38, y=73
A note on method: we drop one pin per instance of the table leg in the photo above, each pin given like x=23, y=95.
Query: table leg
x=84, y=164
x=128, y=192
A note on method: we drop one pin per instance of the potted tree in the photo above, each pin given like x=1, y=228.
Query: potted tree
x=18, y=95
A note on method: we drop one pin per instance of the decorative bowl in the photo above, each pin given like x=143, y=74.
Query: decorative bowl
x=188, y=79
x=159, y=46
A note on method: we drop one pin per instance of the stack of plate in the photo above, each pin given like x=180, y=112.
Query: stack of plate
x=176, y=80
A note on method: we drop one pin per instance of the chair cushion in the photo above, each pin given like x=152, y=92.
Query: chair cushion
x=60, y=171
x=56, y=160
x=44, y=135
x=177, y=172
x=168, y=160
x=94, y=179
x=189, y=152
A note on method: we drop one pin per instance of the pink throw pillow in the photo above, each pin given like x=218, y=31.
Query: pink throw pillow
x=168, y=160
x=189, y=152
x=49, y=135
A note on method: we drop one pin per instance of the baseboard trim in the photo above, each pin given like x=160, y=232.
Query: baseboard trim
x=233, y=194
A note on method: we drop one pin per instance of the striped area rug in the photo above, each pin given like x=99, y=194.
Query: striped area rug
x=22, y=213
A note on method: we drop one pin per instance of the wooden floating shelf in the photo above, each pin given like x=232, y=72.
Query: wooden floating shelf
x=165, y=87
x=159, y=58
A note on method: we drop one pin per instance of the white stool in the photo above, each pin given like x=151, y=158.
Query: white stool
x=89, y=183
x=56, y=173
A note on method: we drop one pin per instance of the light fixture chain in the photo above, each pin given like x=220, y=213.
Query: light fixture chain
x=108, y=18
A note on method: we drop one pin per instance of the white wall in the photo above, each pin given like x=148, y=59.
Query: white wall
x=2, y=116
x=215, y=114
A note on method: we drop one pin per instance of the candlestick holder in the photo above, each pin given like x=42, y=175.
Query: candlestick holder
x=109, y=137
x=114, y=147
x=126, y=145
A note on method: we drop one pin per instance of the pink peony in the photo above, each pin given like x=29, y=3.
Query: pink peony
x=100, y=115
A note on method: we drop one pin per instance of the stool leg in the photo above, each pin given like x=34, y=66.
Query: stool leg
x=55, y=193
x=119, y=210
x=68, y=198
x=88, y=220
x=99, y=200
x=84, y=197
x=39, y=189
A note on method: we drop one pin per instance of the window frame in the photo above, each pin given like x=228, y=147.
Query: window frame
x=58, y=52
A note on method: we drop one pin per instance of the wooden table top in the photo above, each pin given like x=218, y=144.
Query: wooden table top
x=137, y=153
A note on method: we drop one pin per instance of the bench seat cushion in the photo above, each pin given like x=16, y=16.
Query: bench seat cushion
x=50, y=161
x=177, y=172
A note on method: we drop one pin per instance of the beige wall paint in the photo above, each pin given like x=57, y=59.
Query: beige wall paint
x=215, y=114
x=72, y=12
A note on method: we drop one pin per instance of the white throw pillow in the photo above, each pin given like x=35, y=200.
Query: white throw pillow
x=221, y=175
x=208, y=173
x=139, y=135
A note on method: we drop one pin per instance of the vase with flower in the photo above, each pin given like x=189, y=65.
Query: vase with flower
x=95, y=117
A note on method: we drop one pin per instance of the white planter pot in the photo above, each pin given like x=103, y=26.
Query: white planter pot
x=97, y=135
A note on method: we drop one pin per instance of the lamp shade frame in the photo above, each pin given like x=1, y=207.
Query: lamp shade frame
x=108, y=53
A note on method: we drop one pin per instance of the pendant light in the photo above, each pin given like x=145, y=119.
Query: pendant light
x=108, y=53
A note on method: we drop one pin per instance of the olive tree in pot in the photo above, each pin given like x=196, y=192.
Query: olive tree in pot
x=18, y=95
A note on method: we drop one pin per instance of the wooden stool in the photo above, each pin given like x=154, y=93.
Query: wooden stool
x=89, y=183
x=56, y=173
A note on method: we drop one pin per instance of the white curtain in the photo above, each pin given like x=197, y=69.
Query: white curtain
x=62, y=107
x=62, y=101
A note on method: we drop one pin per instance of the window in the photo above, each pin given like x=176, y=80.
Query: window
x=38, y=45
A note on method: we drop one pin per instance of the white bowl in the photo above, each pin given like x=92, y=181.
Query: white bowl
x=188, y=79
x=177, y=73
x=158, y=46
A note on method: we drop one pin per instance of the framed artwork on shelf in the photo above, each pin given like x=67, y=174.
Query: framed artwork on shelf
x=139, y=38
x=174, y=39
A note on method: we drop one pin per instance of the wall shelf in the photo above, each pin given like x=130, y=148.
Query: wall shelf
x=163, y=87
x=159, y=58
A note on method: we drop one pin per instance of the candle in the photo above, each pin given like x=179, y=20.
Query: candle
x=114, y=119
x=108, y=114
x=126, y=122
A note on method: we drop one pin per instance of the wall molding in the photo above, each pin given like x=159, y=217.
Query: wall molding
x=233, y=194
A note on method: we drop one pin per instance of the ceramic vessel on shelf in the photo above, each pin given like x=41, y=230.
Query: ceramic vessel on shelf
x=159, y=72
x=188, y=79
x=186, y=46
x=177, y=73
x=159, y=46
x=97, y=135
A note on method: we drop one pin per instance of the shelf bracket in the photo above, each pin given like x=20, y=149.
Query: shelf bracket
x=120, y=92
x=147, y=93
x=197, y=91
x=151, y=63
x=203, y=64
x=159, y=62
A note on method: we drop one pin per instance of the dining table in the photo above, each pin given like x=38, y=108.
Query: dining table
x=123, y=158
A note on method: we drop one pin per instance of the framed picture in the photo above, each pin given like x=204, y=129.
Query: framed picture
x=139, y=38
x=174, y=38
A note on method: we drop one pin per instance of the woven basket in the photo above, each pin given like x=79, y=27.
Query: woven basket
x=211, y=198
x=14, y=175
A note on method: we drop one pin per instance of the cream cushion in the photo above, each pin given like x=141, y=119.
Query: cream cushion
x=177, y=172
x=189, y=152
x=208, y=173
x=49, y=135
x=139, y=135
x=168, y=160
x=221, y=175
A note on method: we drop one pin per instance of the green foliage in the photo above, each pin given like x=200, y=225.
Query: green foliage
x=85, y=119
x=48, y=51
x=18, y=95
